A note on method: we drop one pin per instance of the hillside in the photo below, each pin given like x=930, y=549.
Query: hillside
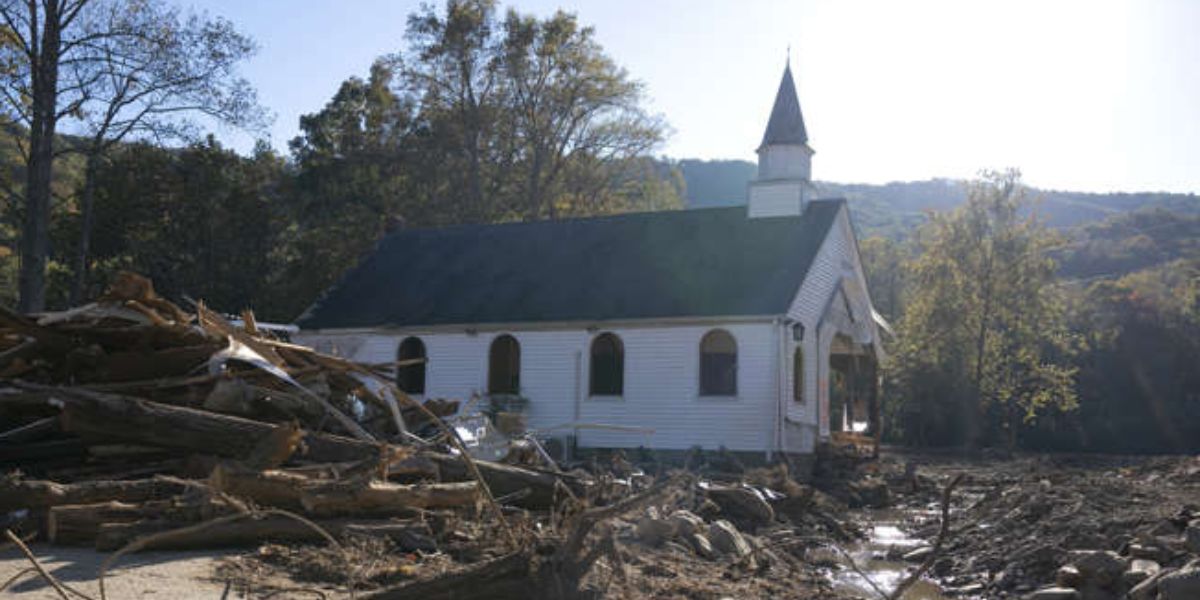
x=893, y=208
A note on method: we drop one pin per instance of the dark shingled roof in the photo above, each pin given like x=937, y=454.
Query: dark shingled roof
x=787, y=124
x=688, y=263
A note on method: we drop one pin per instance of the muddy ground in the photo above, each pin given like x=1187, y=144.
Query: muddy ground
x=1014, y=523
x=1017, y=520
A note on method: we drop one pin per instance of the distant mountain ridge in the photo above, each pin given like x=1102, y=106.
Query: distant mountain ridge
x=894, y=208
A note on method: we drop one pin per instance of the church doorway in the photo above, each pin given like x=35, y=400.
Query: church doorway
x=853, y=388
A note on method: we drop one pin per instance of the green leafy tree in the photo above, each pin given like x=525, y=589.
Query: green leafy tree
x=983, y=335
x=152, y=71
x=355, y=178
x=883, y=262
x=524, y=118
x=118, y=68
x=477, y=120
x=201, y=222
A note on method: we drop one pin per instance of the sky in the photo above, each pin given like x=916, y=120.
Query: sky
x=1088, y=95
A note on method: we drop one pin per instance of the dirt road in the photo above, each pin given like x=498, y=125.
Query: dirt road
x=159, y=575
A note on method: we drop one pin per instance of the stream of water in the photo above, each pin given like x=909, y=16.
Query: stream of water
x=870, y=555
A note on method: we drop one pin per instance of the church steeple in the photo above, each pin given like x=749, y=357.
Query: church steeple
x=784, y=179
x=786, y=125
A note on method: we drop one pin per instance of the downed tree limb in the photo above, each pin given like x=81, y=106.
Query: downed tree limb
x=30, y=431
x=376, y=497
x=268, y=488
x=100, y=416
x=937, y=544
x=507, y=577
x=521, y=575
x=54, y=583
x=506, y=480
x=288, y=490
x=78, y=524
x=95, y=415
x=15, y=494
x=407, y=535
x=165, y=536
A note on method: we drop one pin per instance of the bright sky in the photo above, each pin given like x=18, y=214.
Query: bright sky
x=1090, y=95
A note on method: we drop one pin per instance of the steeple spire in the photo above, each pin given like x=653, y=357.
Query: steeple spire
x=786, y=125
x=784, y=182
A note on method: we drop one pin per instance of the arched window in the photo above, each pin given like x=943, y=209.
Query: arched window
x=410, y=370
x=504, y=366
x=798, y=375
x=608, y=366
x=718, y=364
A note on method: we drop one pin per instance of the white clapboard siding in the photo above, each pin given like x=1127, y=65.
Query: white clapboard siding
x=835, y=269
x=661, y=381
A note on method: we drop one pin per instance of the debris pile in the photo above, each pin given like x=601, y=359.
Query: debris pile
x=1097, y=527
x=132, y=424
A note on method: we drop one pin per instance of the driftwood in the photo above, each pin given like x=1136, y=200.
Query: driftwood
x=291, y=491
x=95, y=415
x=16, y=494
x=522, y=575
x=78, y=524
x=100, y=416
x=375, y=497
x=30, y=431
x=249, y=532
x=507, y=577
x=53, y=581
x=506, y=480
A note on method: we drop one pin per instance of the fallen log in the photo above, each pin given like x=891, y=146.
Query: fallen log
x=30, y=431
x=96, y=415
x=407, y=535
x=505, y=480
x=278, y=489
x=100, y=416
x=34, y=494
x=499, y=578
x=78, y=524
x=281, y=489
x=24, y=454
x=377, y=497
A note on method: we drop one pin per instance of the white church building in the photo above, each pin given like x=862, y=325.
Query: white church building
x=748, y=327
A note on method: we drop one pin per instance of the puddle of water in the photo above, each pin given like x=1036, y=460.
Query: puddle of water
x=886, y=574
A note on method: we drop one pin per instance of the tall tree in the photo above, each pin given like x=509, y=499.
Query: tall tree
x=200, y=221
x=40, y=36
x=150, y=71
x=121, y=68
x=569, y=102
x=454, y=69
x=354, y=181
x=526, y=118
x=984, y=326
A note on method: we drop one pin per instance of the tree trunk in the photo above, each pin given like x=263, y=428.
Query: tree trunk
x=35, y=234
x=324, y=498
x=94, y=415
x=86, y=218
x=78, y=524
x=506, y=577
x=97, y=416
x=36, y=494
x=408, y=535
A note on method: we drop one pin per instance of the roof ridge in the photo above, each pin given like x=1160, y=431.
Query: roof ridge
x=581, y=219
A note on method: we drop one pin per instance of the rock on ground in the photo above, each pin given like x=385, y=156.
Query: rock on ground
x=1102, y=567
x=726, y=538
x=742, y=505
x=1054, y=593
x=1183, y=584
